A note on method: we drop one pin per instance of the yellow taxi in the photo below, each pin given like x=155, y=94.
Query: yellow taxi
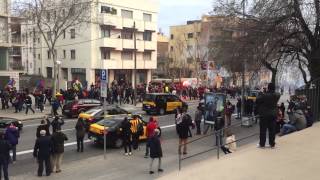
x=113, y=130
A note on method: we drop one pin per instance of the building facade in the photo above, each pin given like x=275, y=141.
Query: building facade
x=107, y=44
x=162, y=70
x=10, y=46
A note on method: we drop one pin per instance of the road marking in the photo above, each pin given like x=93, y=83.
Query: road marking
x=34, y=125
x=65, y=145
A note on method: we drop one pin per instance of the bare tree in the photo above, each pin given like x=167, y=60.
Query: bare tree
x=53, y=18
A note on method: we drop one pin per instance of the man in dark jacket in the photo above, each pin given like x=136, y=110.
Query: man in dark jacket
x=4, y=156
x=183, y=131
x=42, y=150
x=58, y=139
x=80, y=133
x=12, y=135
x=126, y=136
x=45, y=124
x=56, y=124
x=155, y=150
x=267, y=109
x=28, y=103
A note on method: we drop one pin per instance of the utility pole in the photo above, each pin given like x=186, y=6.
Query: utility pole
x=135, y=63
x=244, y=68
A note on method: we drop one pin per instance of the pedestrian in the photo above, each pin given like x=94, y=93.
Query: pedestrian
x=12, y=135
x=228, y=110
x=155, y=150
x=197, y=119
x=183, y=124
x=56, y=124
x=42, y=150
x=267, y=109
x=80, y=133
x=55, y=106
x=44, y=125
x=151, y=127
x=4, y=156
x=136, y=131
x=28, y=102
x=58, y=139
x=238, y=105
x=41, y=102
x=126, y=136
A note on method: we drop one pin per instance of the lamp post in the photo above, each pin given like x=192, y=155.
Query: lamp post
x=58, y=75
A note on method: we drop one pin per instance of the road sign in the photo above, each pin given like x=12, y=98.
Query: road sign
x=104, y=75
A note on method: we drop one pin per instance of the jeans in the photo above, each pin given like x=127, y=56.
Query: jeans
x=147, y=147
x=80, y=144
x=4, y=168
x=267, y=123
x=287, y=129
x=46, y=162
x=127, y=144
x=14, y=152
x=29, y=107
x=198, y=125
x=56, y=161
x=135, y=141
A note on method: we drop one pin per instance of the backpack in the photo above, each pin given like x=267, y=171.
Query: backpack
x=140, y=129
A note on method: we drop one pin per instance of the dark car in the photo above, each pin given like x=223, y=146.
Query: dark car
x=113, y=135
x=5, y=122
x=74, y=108
x=95, y=114
x=162, y=103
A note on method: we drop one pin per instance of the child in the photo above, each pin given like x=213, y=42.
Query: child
x=231, y=145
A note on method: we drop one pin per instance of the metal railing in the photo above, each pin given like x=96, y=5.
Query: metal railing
x=218, y=135
x=312, y=93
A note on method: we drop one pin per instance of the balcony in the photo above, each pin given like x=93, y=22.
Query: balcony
x=115, y=43
x=15, y=52
x=127, y=44
x=110, y=20
x=150, y=45
x=151, y=26
x=16, y=41
x=16, y=66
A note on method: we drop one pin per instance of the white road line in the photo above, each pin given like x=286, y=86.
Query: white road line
x=74, y=143
x=34, y=125
x=65, y=145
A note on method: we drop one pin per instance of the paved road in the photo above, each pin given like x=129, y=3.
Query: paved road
x=116, y=164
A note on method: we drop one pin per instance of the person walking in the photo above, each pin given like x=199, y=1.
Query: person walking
x=12, y=135
x=45, y=124
x=28, y=102
x=58, y=139
x=4, y=156
x=136, y=130
x=228, y=112
x=197, y=119
x=183, y=130
x=42, y=150
x=155, y=150
x=126, y=136
x=80, y=133
x=267, y=109
x=151, y=127
x=56, y=124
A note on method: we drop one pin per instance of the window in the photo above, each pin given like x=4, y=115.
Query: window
x=73, y=33
x=126, y=55
x=147, y=17
x=64, y=34
x=64, y=54
x=171, y=48
x=49, y=72
x=73, y=54
x=147, y=55
x=127, y=14
x=172, y=36
x=147, y=36
x=105, y=53
x=39, y=56
x=125, y=34
x=190, y=35
x=105, y=32
x=49, y=54
x=108, y=10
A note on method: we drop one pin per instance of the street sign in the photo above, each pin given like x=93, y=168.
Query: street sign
x=104, y=75
x=104, y=82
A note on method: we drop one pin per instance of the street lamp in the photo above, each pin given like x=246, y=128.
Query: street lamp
x=58, y=75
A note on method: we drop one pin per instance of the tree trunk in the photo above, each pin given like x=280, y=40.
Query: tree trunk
x=273, y=76
x=55, y=75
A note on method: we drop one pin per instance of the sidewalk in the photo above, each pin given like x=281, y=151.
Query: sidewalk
x=295, y=157
x=30, y=116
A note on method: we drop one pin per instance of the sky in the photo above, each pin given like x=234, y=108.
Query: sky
x=178, y=12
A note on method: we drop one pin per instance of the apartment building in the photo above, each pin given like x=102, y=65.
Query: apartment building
x=107, y=44
x=10, y=46
x=162, y=70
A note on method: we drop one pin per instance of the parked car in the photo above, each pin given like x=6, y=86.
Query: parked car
x=5, y=122
x=74, y=108
x=113, y=130
x=162, y=103
x=95, y=114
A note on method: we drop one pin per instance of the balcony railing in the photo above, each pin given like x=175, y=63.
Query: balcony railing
x=16, y=40
x=16, y=66
x=15, y=52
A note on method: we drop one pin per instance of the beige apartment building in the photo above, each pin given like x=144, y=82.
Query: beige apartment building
x=107, y=44
x=11, y=65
